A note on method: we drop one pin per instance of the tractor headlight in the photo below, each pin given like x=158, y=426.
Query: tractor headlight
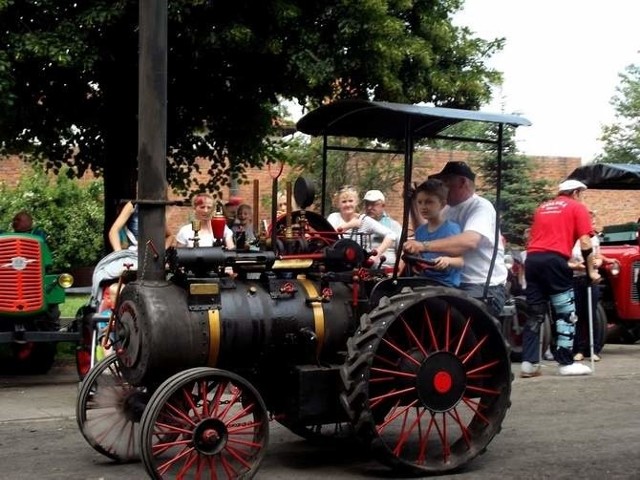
x=614, y=269
x=65, y=280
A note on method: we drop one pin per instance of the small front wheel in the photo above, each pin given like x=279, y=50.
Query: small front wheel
x=204, y=423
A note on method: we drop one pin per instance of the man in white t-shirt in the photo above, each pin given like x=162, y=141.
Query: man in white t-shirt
x=477, y=219
x=581, y=343
x=374, y=203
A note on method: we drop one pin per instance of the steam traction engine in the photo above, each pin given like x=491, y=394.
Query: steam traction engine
x=306, y=332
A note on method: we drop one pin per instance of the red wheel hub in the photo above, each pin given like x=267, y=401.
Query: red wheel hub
x=442, y=382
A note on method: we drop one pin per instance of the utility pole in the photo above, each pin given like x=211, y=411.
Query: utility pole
x=152, y=138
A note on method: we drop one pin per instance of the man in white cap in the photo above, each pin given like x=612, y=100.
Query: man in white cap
x=374, y=203
x=557, y=225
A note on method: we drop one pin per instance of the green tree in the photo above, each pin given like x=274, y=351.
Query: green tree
x=71, y=214
x=520, y=193
x=622, y=138
x=365, y=171
x=69, y=76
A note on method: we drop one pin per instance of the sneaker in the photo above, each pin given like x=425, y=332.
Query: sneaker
x=578, y=357
x=548, y=355
x=596, y=357
x=574, y=369
x=528, y=370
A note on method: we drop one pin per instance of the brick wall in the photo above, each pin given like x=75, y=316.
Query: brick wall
x=612, y=206
x=11, y=169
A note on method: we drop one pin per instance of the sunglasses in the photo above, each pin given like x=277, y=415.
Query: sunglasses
x=346, y=188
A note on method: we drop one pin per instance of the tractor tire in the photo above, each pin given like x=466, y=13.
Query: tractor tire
x=37, y=358
x=600, y=324
x=427, y=367
x=32, y=358
x=620, y=333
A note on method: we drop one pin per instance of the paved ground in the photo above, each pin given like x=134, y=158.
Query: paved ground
x=557, y=428
x=38, y=397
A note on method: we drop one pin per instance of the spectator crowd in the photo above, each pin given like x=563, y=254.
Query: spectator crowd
x=456, y=242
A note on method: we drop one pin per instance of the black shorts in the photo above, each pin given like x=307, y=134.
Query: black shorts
x=546, y=274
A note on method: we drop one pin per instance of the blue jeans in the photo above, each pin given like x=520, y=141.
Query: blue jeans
x=497, y=296
x=531, y=340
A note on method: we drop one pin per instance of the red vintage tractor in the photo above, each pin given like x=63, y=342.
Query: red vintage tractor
x=620, y=301
x=304, y=331
x=30, y=295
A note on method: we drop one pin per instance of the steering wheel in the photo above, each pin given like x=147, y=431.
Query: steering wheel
x=414, y=262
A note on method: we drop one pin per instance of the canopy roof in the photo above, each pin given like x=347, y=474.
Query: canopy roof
x=609, y=176
x=365, y=119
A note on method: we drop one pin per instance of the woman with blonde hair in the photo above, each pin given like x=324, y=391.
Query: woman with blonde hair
x=353, y=224
x=203, y=211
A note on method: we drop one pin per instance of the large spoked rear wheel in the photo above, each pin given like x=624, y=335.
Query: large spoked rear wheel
x=427, y=380
x=204, y=423
x=108, y=411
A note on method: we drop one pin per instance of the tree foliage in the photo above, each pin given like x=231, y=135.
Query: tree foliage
x=622, y=138
x=71, y=214
x=365, y=171
x=520, y=193
x=69, y=76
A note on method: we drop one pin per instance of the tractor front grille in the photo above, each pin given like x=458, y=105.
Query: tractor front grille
x=21, y=276
x=635, y=268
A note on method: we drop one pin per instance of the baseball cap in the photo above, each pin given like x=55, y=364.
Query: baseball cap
x=374, y=196
x=570, y=185
x=456, y=168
